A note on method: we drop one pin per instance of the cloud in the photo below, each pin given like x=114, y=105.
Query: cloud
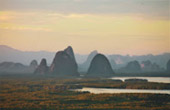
x=6, y=16
x=22, y=27
x=53, y=29
x=154, y=8
x=83, y=24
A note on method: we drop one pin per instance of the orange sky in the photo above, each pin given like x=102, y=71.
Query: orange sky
x=109, y=33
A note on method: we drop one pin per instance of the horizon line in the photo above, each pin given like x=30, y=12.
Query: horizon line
x=7, y=46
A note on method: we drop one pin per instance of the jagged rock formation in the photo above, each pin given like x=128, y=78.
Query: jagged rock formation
x=100, y=66
x=168, y=66
x=42, y=68
x=64, y=63
x=10, y=54
x=70, y=52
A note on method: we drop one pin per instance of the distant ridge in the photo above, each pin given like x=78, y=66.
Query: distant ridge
x=83, y=67
x=25, y=57
x=8, y=54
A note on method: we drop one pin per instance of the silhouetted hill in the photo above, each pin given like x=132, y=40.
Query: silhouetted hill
x=64, y=64
x=122, y=60
x=168, y=66
x=148, y=66
x=131, y=67
x=34, y=64
x=84, y=66
x=11, y=67
x=100, y=66
x=69, y=51
x=42, y=68
x=8, y=54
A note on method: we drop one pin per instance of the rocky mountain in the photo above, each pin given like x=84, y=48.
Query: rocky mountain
x=113, y=64
x=90, y=57
x=84, y=66
x=33, y=65
x=148, y=66
x=64, y=64
x=122, y=60
x=168, y=66
x=42, y=68
x=69, y=51
x=100, y=66
x=11, y=67
x=131, y=67
x=8, y=54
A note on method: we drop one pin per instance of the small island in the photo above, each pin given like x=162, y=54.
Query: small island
x=136, y=80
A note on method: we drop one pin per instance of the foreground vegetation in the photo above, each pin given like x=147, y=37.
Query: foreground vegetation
x=42, y=93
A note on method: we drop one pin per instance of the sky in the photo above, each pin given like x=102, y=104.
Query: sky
x=133, y=27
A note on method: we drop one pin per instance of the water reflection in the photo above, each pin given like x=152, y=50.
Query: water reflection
x=104, y=90
x=150, y=79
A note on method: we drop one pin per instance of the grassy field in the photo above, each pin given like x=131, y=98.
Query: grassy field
x=52, y=93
